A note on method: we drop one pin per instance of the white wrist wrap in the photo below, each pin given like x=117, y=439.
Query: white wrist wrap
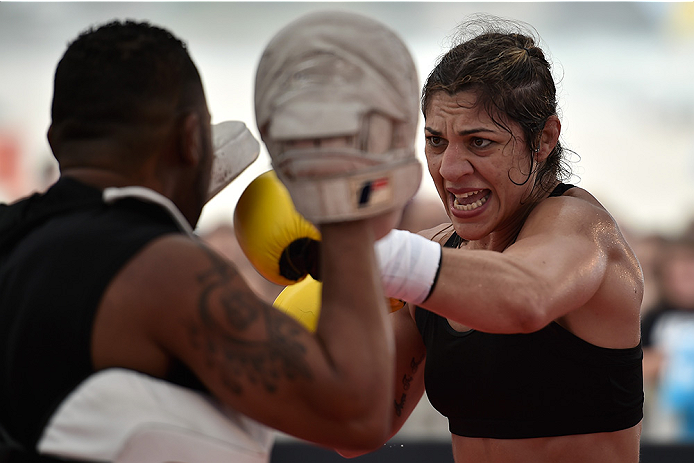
x=409, y=264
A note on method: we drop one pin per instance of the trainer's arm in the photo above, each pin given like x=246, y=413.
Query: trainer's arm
x=409, y=375
x=333, y=387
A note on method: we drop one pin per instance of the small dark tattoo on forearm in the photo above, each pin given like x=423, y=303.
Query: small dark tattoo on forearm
x=414, y=364
x=400, y=405
x=230, y=319
x=406, y=381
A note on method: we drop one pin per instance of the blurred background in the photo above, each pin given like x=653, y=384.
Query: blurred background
x=625, y=74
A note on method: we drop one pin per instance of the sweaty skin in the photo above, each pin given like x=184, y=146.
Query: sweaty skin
x=592, y=285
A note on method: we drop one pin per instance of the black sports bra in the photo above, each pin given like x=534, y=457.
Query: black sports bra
x=541, y=384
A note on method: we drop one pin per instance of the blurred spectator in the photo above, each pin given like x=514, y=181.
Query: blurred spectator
x=18, y=177
x=668, y=341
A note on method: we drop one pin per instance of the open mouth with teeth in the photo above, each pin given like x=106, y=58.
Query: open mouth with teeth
x=471, y=200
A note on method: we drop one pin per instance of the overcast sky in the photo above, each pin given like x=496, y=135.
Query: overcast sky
x=625, y=71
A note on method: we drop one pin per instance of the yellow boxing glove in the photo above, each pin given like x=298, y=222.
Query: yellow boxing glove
x=280, y=243
x=395, y=304
x=302, y=301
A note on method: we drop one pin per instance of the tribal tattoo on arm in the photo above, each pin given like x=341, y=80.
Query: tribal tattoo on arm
x=243, y=337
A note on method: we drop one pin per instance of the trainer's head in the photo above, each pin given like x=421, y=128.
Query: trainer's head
x=128, y=99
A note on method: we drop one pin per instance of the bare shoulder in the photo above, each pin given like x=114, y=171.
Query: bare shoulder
x=173, y=273
x=586, y=242
x=575, y=213
x=166, y=304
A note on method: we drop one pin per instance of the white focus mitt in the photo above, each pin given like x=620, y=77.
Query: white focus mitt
x=235, y=148
x=337, y=105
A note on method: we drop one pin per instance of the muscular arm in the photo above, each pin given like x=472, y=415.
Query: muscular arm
x=409, y=374
x=567, y=251
x=179, y=300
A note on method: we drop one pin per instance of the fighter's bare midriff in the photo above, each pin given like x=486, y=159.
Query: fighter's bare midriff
x=608, y=447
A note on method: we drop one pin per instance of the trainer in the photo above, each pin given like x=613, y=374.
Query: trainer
x=116, y=320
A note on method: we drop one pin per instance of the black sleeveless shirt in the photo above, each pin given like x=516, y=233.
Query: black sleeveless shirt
x=58, y=253
x=541, y=384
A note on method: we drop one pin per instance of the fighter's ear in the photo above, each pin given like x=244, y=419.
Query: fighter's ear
x=548, y=138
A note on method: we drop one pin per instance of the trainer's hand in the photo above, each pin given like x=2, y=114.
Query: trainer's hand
x=276, y=239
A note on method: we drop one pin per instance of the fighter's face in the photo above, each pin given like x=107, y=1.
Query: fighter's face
x=477, y=166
